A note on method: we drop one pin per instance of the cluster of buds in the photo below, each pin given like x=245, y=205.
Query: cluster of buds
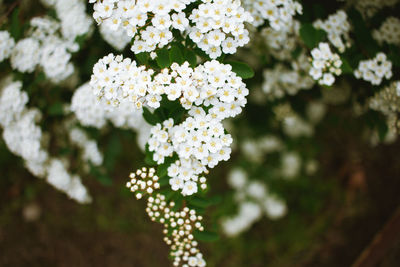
x=179, y=225
x=178, y=230
x=143, y=181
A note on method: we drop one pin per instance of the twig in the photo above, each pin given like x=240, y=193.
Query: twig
x=13, y=5
x=382, y=242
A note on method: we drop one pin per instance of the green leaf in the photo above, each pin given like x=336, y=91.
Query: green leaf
x=148, y=158
x=311, y=36
x=15, y=29
x=241, y=69
x=149, y=117
x=177, y=114
x=394, y=55
x=190, y=56
x=346, y=68
x=205, y=236
x=199, y=202
x=143, y=58
x=163, y=58
x=100, y=177
x=56, y=109
x=175, y=55
x=164, y=181
x=162, y=170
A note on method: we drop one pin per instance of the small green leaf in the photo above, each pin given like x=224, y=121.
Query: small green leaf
x=346, y=68
x=163, y=58
x=205, y=236
x=199, y=202
x=242, y=69
x=190, y=56
x=175, y=55
x=163, y=181
x=56, y=109
x=149, y=117
x=311, y=36
x=15, y=29
x=143, y=58
x=177, y=114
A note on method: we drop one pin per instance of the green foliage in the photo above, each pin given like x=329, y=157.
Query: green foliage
x=175, y=54
x=241, y=69
x=15, y=28
x=143, y=58
x=311, y=36
x=205, y=236
x=163, y=59
x=150, y=118
x=190, y=57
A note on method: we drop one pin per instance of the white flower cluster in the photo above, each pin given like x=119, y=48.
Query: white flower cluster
x=58, y=176
x=217, y=25
x=72, y=14
x=278, y=13
x=143, y=182
x=254, y=149
x=389, y=31
x=254, y=199
x=369, y=8
x=50, y=42
x=6, y=45
x=374, y=70
x=387, y=101
x=293, y=124
x=94, y=113
x=281, y=44
x=116, y=38
x=116, y=79
x=179, y=225
x=290, y=165
x=199, y=142
x=45, y=49
x=337, y=27
x=24, y=138
x=325, y=64
x=178, y=229
x=90, y=151
x=281, y=80
x=20, y=132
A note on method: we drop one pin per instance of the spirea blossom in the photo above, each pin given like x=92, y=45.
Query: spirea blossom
x=281, y=44
x=92, y=112
x=212, y=84
x=24, y=138
x=199, y=142
x=6, y=45
x=44, y=48
x=179, y=224
x=281, y=80
x=217, y=25
x=253, y=198
x=337, y=27
x=25, y=55
x=279, y=14
x=90, y=150
x=73, y=17
x=388, y=32
x=117, y=39
x=387, y=101
x=325, y=64
x=374, y=70
x=12, y=103
x=59, y=177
